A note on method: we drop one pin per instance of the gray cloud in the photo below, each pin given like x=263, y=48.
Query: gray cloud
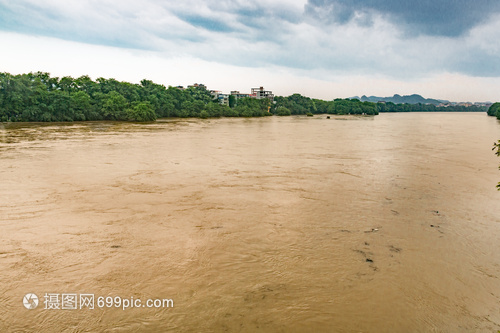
x=431, y=17
x=206, y=23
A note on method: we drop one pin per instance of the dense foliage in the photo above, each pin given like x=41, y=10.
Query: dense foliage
x=298, y=104
x=419, y=107
x=494, y=110
x=40, y=97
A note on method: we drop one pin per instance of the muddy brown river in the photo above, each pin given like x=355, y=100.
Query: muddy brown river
x=283, y=224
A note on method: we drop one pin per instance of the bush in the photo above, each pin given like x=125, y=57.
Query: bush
x=142, y=111
x=494, y=110
x=283, y=111
x=228, y=112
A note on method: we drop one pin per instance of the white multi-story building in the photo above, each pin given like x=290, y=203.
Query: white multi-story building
x=260, y=93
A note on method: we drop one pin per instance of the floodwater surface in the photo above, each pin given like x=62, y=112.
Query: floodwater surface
x=294, y=224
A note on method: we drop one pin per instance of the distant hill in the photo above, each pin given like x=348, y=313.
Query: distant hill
x=398, y=99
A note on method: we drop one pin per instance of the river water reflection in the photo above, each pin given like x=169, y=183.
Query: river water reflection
x=350, y=224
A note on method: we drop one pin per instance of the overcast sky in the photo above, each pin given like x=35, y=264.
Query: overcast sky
x=446, y=49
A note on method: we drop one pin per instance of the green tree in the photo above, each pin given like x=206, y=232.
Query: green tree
x=232, y=101
x=493, y=110
x=228, y=112
x=60, y=104
x=67, y=84
x=204, y=114
x=199, y=93
x=214, y=109
x=283, y=111
x=80, y=103
x=85, y=83
x=141, y=111
x=113, y=106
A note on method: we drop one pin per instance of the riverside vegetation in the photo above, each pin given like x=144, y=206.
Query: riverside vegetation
x=40, y=97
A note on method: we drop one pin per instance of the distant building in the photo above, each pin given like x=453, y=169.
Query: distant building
x=224, y=99
x=220, y=97
x=237, y=94
x=198, y=85
x=215, y=93
x=260, y=93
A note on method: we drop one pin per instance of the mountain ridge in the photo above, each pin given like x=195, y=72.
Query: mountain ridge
x=398, y=99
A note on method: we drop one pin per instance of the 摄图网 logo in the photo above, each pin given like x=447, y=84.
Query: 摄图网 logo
x=30, y=301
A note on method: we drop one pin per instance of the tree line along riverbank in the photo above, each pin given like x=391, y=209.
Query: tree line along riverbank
x=40, y=97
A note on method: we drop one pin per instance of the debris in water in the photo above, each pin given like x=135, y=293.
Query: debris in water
x=394, y=249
